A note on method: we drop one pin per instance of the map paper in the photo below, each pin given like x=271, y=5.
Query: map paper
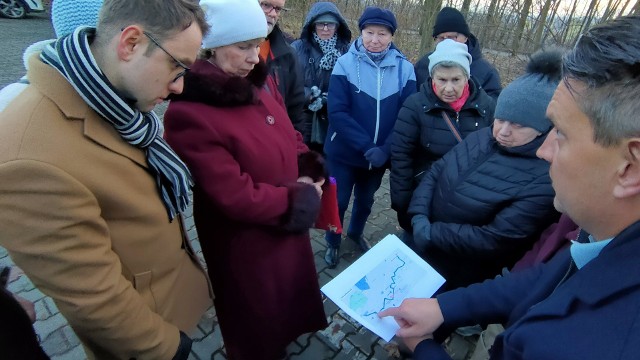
x=381, y=278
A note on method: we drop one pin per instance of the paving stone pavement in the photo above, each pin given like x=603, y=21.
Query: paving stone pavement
x=343, y=339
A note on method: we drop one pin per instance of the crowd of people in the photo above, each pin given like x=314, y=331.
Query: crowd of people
x=524, y=198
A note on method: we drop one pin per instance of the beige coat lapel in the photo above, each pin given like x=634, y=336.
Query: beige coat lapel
x=54, y=86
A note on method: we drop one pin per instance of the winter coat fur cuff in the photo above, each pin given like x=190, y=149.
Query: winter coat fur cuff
x=304, y=205
x=312, y=164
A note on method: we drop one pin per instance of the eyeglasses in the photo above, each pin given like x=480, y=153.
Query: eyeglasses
x=442, y=37
x=178, y=62
x=329, y=26
x=266, y=7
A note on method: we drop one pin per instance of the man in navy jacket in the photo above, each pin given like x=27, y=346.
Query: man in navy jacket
x=583, y=304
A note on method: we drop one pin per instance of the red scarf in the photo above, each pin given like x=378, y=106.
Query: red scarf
x=456, y=105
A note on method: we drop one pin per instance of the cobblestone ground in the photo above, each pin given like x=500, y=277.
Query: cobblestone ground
x=344, y=338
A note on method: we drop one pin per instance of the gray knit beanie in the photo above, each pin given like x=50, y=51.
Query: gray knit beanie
x=450, y=51
x=524, y=101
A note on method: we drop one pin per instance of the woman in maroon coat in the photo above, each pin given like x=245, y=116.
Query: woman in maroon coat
x=252, y=207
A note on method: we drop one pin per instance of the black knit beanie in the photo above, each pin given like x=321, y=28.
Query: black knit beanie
x=450, y=20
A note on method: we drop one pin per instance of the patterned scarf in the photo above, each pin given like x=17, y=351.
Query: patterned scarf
x=71, y=56
x=329, y=51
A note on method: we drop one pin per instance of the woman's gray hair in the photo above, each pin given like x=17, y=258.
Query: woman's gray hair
x=449, y=65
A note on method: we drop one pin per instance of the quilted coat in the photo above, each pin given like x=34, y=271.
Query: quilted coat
x=487, y=204
x=421, y=136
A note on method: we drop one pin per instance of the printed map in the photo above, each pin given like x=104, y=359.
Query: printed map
x=384, y=286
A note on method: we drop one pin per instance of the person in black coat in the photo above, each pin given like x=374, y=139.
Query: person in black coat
x=324, y=37
x=281, y=60
x=485, y=202
x=422, y=135
x=450, y=24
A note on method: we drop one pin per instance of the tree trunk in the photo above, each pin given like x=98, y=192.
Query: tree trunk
x=466, y=4
x=430, y=9
x=522, y=22
x=537, y=37
x=636, y=8
x=569, y=21
x=612, y=5
x=489, y=22
x=624, y=8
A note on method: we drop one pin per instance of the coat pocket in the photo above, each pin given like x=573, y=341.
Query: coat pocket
x=142, y=284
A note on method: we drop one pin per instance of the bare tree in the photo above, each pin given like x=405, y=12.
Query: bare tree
x=522, y=22
x=542, y=23
x=569, y=22
x=430, y=9
x=466, y=4
x=624, y=8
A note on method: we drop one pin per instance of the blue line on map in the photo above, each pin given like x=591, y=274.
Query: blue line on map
x=392, y=286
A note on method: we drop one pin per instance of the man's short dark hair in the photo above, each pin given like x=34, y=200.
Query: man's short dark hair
x=161, y=18
x=606, y=64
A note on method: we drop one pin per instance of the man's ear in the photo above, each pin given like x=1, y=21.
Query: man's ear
x=628, y=176
x=130, y=41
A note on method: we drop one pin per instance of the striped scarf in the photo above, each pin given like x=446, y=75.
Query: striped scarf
x=71, y=56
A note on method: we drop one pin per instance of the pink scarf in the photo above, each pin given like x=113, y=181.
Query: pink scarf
x=457, y=105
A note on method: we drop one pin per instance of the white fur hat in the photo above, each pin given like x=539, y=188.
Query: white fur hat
x=233, y=21
x=450, y=50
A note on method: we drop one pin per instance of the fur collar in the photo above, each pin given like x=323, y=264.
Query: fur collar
x=208, y=84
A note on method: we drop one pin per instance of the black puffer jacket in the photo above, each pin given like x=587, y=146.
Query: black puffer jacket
x=309, y=55
x=284, y=69
x=487, y=204
x=481, y=70
x=421, y=136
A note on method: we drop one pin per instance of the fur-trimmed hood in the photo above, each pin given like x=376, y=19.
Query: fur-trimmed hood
x=206, y=83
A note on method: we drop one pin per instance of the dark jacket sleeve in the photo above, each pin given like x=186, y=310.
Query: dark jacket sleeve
x=490, y=80
x=421, y=199
x=430, y=350
x=517, y=222
x=294, y=98
x=404, y=142
x=491, y=301
x=422, y=71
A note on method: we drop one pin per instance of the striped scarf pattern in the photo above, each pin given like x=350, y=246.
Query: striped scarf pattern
x=71, y=56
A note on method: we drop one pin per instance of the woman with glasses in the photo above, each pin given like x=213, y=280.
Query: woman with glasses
x=253, y=206
x=324, y=37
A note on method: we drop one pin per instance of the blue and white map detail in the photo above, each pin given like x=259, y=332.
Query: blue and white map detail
x=386, y=285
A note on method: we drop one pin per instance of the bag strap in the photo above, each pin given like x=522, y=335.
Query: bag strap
x=452, y=127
